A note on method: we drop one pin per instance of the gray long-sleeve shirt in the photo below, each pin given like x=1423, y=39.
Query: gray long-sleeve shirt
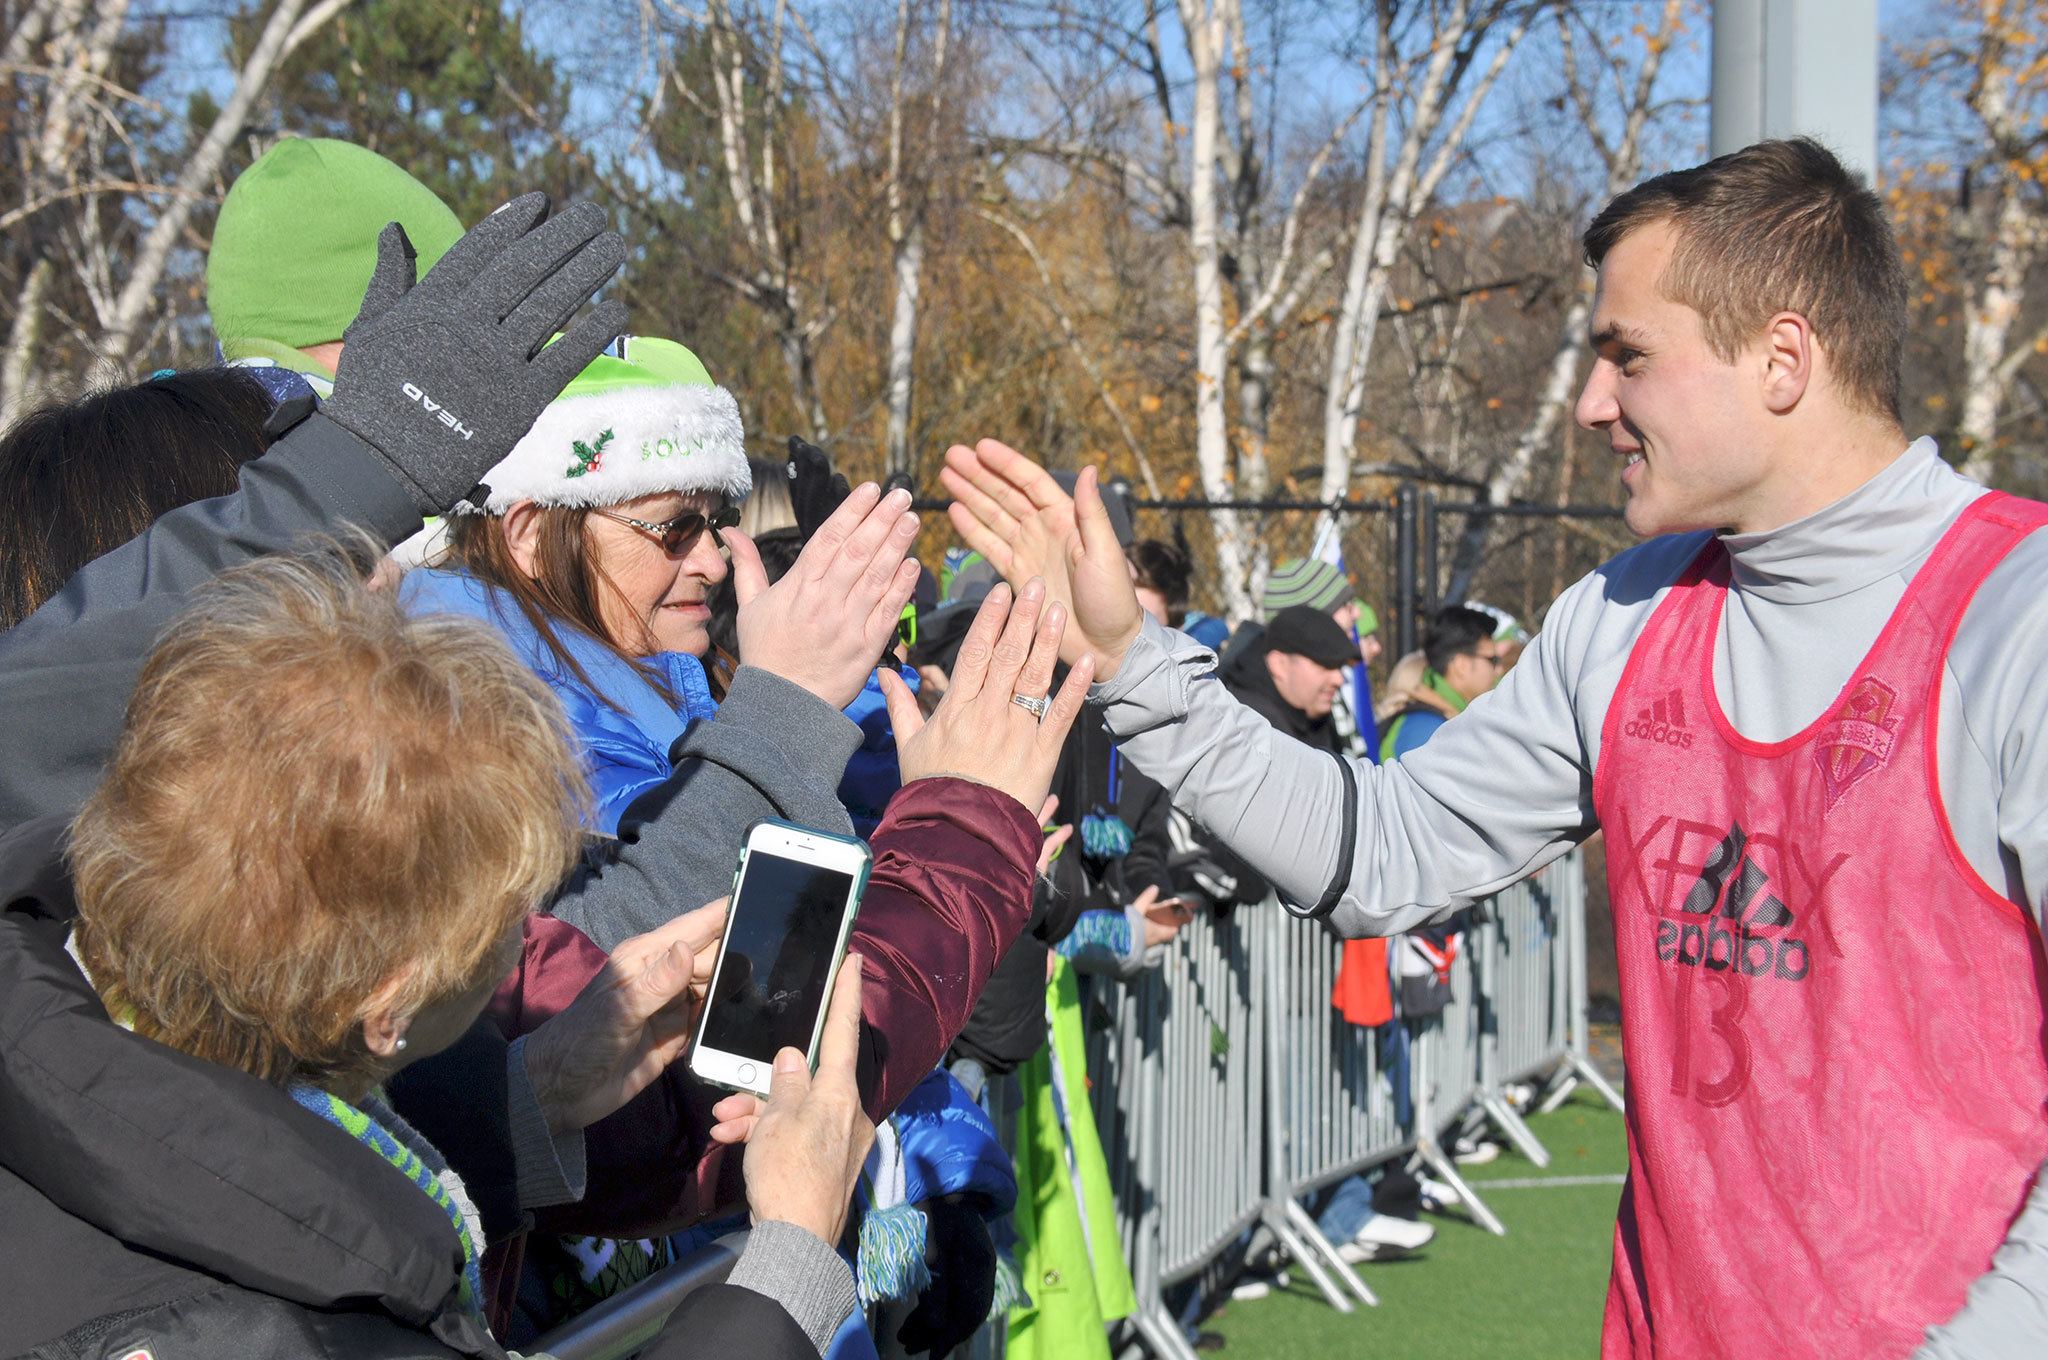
x=1508, y=787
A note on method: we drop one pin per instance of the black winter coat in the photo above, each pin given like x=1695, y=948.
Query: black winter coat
x=1246, y=677
x=158, y=1204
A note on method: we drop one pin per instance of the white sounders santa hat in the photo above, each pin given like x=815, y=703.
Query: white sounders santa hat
x=643, y=418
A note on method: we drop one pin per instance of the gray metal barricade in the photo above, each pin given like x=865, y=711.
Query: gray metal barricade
x=622, y=1324
x=1210, y=1041
x=1523, y=973
x=1445, y=1064
x=1578, y=1062
x=1330, y=1112
x=1178, y=1088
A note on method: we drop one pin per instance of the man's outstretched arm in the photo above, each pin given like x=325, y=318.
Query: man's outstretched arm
x=1495, y=796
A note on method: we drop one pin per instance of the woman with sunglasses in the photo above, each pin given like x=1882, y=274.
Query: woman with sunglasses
x=594, y=549
x=608, y=612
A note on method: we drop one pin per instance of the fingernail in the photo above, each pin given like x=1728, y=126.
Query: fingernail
x=789, y=1060
x=900, y=497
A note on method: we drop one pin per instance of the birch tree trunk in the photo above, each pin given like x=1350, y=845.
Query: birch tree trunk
x=1624, y=160
x=1223, y=209
x=1987, y=330
x=55, y=148
x=290, y=24
x=1205, y=24
x=1395, y=196
x=907, y=205
x=17, y=371
x=2004, y=62
x=751, y=180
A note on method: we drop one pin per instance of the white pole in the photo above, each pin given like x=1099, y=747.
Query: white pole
x=1785, y=68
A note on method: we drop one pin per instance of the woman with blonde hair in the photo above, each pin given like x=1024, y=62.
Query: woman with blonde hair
x=283, y=892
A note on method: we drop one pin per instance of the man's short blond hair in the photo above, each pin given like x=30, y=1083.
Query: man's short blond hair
x=1781, y=226
x=315, y=794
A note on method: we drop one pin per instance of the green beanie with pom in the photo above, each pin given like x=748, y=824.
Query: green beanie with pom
x=296, y=242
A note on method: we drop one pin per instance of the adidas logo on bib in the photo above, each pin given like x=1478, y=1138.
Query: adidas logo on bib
x=1662, y=722
x=1729, y=939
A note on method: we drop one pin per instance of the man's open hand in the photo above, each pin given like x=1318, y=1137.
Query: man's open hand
x=1012, y=512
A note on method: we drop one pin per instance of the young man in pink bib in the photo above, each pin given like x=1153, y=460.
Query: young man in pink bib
x=1803, y=713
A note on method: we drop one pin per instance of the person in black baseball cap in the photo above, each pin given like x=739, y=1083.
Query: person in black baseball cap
x=1292, y=672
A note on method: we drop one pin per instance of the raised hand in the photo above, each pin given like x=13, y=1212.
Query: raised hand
x=1011, y=511
x=443, y=375
x=628, y=1024
x=822, y=625
x=979, y=731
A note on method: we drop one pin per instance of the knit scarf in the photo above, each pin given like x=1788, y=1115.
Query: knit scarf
x=409, y=1154
x=1458, y=702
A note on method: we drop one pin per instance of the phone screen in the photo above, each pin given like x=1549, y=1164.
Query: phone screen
x=779, y=941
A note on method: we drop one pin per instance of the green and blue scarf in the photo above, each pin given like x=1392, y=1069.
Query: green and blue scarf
x=431, y=1180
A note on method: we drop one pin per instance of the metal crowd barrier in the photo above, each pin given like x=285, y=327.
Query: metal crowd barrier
x=1517, y=1016
x=1227, y=1090
x=623, y=1323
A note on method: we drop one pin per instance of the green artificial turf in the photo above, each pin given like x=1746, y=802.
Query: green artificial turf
x=1536, y=1293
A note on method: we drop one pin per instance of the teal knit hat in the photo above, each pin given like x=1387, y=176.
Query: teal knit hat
x=296, y=242
x=1306, y=581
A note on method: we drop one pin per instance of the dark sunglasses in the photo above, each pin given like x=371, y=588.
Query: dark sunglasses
x=906, y=625
x=679, y=535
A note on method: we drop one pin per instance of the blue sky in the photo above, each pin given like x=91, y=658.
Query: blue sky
x=1322, y=81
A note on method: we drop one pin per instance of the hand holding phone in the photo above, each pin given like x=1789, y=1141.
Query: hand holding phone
x=627, y=1025
x=807, y=1146
x=792, y=910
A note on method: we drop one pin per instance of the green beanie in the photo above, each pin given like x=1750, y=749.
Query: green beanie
x=296, y=242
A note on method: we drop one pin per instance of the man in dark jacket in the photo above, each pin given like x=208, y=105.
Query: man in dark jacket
x=1289, y=669
x=1291, y=674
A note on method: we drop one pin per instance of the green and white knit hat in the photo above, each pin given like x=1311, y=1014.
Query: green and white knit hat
x=643, y=418
x=1305, y=580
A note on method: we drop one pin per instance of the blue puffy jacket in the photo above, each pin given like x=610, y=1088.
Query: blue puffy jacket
x=872, y=775
x=624, y=726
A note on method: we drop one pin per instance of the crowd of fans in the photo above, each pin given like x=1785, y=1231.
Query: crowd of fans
x=387, y=707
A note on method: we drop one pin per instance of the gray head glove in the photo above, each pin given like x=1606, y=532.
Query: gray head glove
x=442, y=377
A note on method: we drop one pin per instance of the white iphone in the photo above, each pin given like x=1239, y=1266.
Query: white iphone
x=793, y=901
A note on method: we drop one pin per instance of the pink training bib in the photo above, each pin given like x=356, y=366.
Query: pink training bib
x=1837, y=1095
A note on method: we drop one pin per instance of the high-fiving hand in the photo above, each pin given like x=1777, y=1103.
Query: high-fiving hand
x=979, y=731
x=1012, y=512
x=441, y=377
x=822, y=625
